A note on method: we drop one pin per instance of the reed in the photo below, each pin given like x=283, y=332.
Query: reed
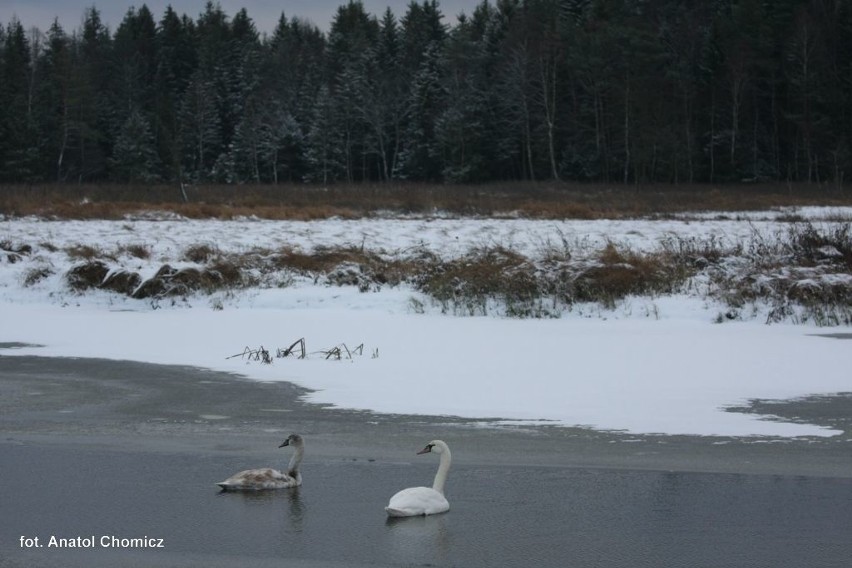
x=541, y=200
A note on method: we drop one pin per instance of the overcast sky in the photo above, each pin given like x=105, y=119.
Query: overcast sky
x=264, y=13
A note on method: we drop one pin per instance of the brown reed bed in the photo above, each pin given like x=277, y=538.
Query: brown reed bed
x=541, y=200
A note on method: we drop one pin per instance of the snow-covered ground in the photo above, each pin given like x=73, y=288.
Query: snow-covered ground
x=652, y=365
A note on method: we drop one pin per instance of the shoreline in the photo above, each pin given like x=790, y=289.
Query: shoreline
x=149, y=408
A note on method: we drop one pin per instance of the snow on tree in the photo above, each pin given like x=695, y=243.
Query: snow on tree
x=135, y=156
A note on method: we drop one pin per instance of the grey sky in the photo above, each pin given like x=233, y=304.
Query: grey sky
x=264, y=13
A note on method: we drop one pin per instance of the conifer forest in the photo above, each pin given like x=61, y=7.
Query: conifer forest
x=614, y=91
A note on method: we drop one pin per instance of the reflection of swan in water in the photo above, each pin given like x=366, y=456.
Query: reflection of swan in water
x=289, y=503
x=296, y=510
x=418, y=541
x=268, y=478
x=416, y=501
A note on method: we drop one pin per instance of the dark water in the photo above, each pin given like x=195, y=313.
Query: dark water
x=500, y=516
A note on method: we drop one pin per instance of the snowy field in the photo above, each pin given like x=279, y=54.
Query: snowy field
x=651, y=365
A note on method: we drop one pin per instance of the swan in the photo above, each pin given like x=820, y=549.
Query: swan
x=416, y=501
x=268, y=478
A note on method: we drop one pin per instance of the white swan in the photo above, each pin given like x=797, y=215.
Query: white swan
x=416, y=501
x=268, y=478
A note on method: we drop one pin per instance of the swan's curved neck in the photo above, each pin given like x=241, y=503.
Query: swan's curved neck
x=293, y=467
x=443, y=468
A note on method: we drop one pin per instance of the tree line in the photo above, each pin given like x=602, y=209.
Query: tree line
x=627, y=91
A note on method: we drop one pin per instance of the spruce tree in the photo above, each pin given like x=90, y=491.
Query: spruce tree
x=19, y=141
x=420, y=157
x=94, y=113
x=199, y=128
x=134, y=154
x=324, y=146
x=463, y=123
x=176, y=62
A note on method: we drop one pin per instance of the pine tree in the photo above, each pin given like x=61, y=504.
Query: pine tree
x=385, y=98
x=511, y=96
x=685, y=36
x=244, y=66
x=177, y=60
x=262, y=141
x=56, y=101
x=291, y=76
x=94, y=115
x=351, y=40
x=134, y=154
x=461, y=126
x=134, y=58
x=19, y=140
x=422, y=26
x=836, y=19
x=211, y=93
x=547, y=52
x=741, y=41
x=375, y=111
x=281, y=138
x=420, y=157
x=199, y=128
x=324, y=146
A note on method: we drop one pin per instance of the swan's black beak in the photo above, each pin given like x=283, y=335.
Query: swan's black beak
x=285, y=443
x=425, y=450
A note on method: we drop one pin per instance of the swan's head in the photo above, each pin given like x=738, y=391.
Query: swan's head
x=292, y=440
x=435, y=447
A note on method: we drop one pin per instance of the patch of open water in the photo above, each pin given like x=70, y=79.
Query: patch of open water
x=500, y=515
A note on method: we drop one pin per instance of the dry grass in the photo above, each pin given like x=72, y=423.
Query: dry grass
x=813, y=247
x=323, y=259
x=142, y=252
x=84, y=252
x=802, y=275
x=200, y=253
x=620, y=273
x=90, y=274
x=35, y=275
x=468, y=283
x=351, y=265
x=544, y=200
x=121, y=281
x=799, y=273
x=12, y=253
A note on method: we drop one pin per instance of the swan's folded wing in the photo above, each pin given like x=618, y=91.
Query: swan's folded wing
x=416, y=501
x=265, y=478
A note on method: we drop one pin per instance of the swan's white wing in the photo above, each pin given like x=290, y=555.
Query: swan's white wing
x=416, y=501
